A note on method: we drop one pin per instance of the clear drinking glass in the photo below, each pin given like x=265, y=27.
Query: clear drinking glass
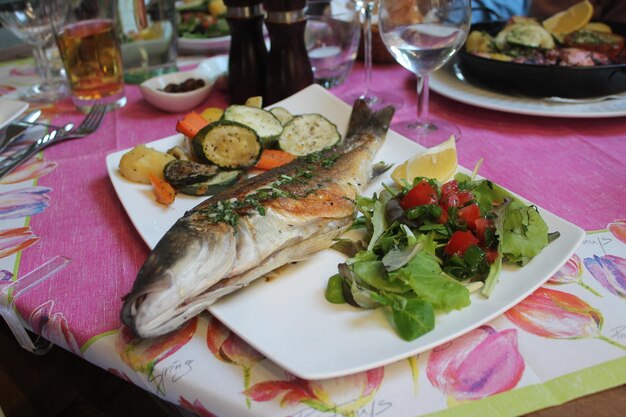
x=422, y=35
x=90, y=50
x=372, y=97
x=332, y=39
x=148, y=36
x=29, y=21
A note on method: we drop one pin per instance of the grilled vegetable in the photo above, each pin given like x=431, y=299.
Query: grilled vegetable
x=272, y=158
x=228, y=144
x=191, y=124
x=264, y=123
x=180, y=173
x=137, y=164
x=479, y=42
x=178, y=152
x=523, y=34
x=308, y=133
x=216, y=184
x=531, y=36
x=255, y=101
x=163, y=191
x=282, y=114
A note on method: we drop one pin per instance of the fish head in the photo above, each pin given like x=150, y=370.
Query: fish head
x=190, y=258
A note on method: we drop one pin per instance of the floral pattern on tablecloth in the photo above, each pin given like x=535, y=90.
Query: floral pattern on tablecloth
x=492, y=359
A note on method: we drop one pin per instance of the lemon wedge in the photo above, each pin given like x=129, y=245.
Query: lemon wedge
x=438, y=162
x=569, y=20
x=217, y=8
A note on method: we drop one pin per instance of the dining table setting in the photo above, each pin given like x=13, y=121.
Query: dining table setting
x=109, y=265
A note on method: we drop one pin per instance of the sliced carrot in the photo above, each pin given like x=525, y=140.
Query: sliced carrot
x=191, y=124
x=164, y=192
x=272, y=158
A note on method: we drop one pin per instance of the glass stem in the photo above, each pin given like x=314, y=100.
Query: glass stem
x=422, y=96
x=368, y=8
x=42, y=60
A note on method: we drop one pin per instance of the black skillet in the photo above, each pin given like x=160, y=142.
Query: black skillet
x=542, y=80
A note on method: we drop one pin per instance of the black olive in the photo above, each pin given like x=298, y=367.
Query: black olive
x=171, y=88
x=188, y=85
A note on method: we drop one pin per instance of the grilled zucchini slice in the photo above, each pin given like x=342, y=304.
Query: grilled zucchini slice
x=180, y=172
x=228, y=144
x=216, y=184
x=308, y=133
x=264, y=123
x=531, y=36
x=282, y=114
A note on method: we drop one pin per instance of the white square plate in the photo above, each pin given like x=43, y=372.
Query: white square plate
x=10, y=110
x=289, y=320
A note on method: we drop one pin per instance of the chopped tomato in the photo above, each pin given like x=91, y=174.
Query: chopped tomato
x=451, y=196
x=470, y=214
x=482, y=225
x=207, y=21
x=448, y=188
x=491, y=255
x=460, y=242
x=423, y=193
x=465, y=197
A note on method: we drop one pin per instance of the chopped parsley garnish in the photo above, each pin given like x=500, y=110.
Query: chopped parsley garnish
x=228, y=211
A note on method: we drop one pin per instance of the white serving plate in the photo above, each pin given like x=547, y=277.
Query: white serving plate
x=445, y=82
x=10, y=110
x=288, y=319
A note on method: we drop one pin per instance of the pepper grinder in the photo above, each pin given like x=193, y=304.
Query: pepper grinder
x=288, y=68
x=248, y=55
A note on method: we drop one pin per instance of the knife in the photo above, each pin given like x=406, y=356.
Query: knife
x=14, y=131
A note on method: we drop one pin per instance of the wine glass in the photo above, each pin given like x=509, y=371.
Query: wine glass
x=373, y=98
x=29, y=21
x=422, y=35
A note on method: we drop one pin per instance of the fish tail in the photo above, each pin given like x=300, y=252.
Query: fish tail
x=364, y=120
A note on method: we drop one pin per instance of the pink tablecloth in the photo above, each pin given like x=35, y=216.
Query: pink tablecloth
x=575, y=168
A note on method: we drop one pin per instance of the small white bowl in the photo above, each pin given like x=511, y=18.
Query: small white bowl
x=208, y=71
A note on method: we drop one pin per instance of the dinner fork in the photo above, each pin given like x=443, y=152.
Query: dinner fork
x=89, y=125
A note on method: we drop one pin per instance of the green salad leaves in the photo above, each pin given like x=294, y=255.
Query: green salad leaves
x=426, y=244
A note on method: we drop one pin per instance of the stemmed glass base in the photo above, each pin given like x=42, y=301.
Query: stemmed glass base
x=427, y=132
x=47, y=92
x=376, y=99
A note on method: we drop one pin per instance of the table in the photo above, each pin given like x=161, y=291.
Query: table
x=574, y=168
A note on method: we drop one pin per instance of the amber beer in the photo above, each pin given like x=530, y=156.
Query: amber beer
x=92, y=59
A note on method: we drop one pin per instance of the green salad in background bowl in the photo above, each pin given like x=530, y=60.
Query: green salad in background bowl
x=202, y=19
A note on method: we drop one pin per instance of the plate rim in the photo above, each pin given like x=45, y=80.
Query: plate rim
x=446, y=84
x=21, y=108
x=302, y=371
x=217, y=43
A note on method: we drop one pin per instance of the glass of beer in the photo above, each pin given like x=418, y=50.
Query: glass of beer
x=90, y=51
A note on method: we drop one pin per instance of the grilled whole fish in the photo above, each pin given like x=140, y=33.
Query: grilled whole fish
x=283, y=215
